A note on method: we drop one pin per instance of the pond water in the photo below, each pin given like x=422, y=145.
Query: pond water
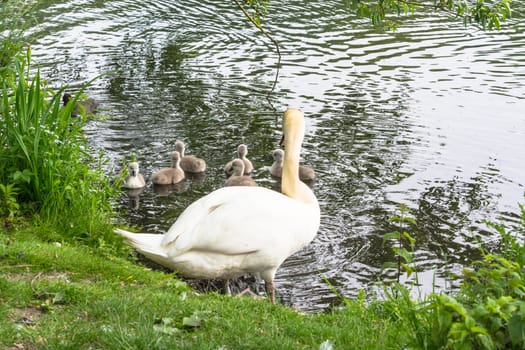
x=431, y=116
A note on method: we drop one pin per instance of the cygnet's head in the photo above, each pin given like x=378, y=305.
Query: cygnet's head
x=65, y=98
x=278, y=155
x=180, y=147
x=237, y=167
x=242, y=150
x=133, y=168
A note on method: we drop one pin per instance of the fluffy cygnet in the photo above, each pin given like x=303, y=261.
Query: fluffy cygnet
x=242, y=151
x=168, y=176
x=135, y=178
x=237, y=178
x=305, y=173
x=189, y=164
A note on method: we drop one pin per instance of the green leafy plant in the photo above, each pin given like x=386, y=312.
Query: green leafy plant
x=8, y=201
x=403, y=244
x=46, y=154
x=488, y=312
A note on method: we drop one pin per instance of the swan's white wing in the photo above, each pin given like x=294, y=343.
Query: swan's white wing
x=240, y=220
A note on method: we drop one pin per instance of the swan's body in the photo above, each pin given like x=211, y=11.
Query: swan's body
x=189, y=164
x=305, y=173
x=242, y=151
x=237, y=230
x=237, y=178
x=87, y=106
x=169, y=176
x=134, y=179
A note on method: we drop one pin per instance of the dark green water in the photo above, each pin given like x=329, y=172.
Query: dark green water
x=431, y=116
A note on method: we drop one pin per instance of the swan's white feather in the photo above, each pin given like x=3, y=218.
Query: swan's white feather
x=237, y=220
x=232, y=231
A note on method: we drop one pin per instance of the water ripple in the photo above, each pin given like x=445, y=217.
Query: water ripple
x=429, y=116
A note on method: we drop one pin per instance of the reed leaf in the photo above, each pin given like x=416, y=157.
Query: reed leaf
x=62, y=180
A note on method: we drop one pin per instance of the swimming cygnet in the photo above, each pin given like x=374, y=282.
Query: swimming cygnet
x=190, y=164
x=305, y=173
x=242, y=151
x=168, y=176
x=134, y=179
x=87, y=106
x=237, y=178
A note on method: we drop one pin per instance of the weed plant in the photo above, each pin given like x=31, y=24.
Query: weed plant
x=48, y=167
x=488, y=312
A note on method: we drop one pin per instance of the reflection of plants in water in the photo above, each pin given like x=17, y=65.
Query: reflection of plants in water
x=446, y=208
x=157, y=68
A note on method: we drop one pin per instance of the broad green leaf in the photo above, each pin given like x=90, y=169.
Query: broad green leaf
x=402, y=252
x=391, y=235
x=517, y=330
x=196, y=319
x=411, y=240
x=164, y=326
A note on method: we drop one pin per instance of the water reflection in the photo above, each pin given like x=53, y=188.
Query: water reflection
x=166, y=190
x=429, y=116
x=134, y=197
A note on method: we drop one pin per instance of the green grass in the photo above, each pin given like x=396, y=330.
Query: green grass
x=73, y=297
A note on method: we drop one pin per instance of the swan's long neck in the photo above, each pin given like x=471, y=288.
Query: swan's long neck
x=291, y=186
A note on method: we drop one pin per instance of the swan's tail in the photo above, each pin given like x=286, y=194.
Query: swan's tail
x=146, y=243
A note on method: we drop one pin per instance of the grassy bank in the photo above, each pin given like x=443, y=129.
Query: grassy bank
x=73, y=297
x=70, y=296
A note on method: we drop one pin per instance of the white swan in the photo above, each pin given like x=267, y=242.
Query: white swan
x=134, y=179
x=190, y=164
x=237, y=178
x=242, y=151
x=210, y=238
x=168, y=176
x=305, y=173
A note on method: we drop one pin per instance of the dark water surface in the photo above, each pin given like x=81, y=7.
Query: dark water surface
x=431, y=116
